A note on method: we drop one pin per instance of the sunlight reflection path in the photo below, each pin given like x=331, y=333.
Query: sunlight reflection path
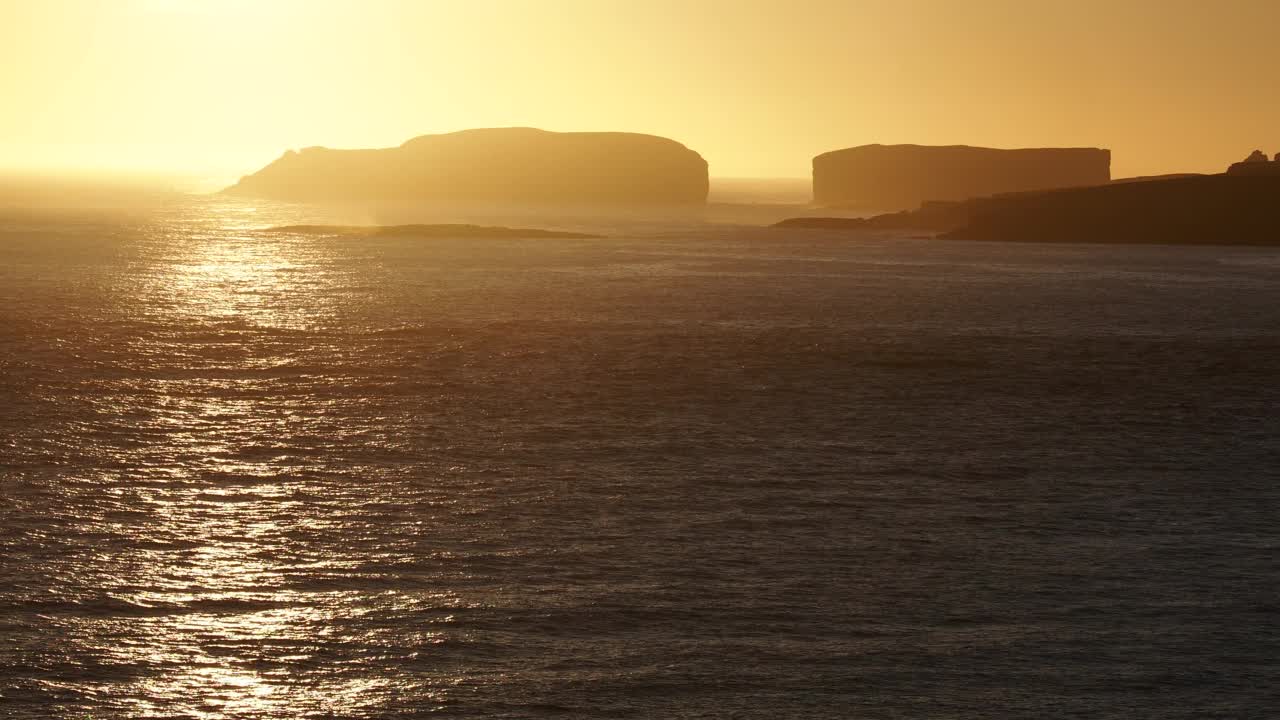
x=228, y=601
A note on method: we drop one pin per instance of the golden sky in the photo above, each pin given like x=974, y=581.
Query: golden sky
x=221, y=87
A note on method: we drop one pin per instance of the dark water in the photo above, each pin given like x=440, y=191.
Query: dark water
x=711, y=473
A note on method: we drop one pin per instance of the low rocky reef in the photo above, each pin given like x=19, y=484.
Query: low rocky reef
x=894, y=177
x=426, y=231
x=1226, y=209
x=491, y=167
x=932, y=217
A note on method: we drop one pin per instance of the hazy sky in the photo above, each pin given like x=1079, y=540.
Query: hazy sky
x=223, y=86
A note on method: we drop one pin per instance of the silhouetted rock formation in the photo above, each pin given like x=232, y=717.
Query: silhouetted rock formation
x=499, y=166
x=1256, y=164
x=1210, y=210
x=892, y=177
x=426, y=231
x=1227, y=209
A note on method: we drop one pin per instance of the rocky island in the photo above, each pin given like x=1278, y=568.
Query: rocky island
x=1237, y=207
x=900, y=177
x=491, y=167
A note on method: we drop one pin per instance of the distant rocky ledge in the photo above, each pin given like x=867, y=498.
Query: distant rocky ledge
x=491, y=167
x=893, y=177
x=427, y=231
x=1227, y=209
x=932, y=217
x=1256, y=164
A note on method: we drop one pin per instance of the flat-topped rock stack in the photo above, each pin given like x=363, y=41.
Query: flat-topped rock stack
x=496, y=166
x=902, y=177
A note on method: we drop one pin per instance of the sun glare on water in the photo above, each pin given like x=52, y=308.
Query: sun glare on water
x=227, y=631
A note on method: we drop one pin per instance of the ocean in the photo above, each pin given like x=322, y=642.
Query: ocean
x=688, y=470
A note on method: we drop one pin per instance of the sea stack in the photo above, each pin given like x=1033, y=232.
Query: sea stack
x=497, y=166
x=902, y=177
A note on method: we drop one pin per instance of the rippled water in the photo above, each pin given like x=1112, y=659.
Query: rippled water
x=701, y=472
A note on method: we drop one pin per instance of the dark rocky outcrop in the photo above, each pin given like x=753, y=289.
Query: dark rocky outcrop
x=1256, y=164
x=933, y=217
x=425, y=231
x=1211, y=210
x=1227, y=209
x=891, y=177
x=498, y=166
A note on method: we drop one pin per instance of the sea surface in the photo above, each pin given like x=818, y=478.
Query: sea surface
x=684, y=471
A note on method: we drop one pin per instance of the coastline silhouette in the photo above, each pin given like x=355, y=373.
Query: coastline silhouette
x=947, y=192
x=1236, y=207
